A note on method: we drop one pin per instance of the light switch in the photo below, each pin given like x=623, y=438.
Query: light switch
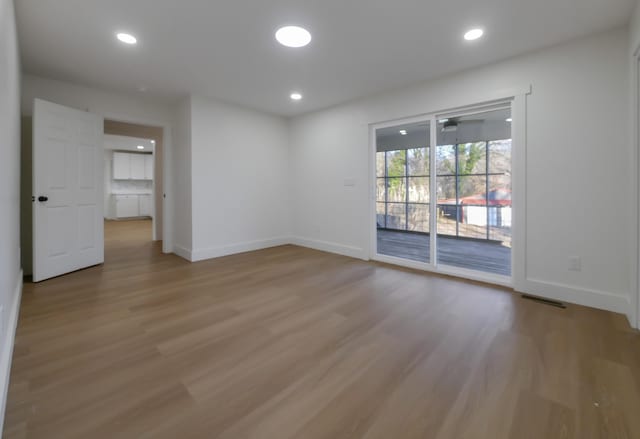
x=575, y=263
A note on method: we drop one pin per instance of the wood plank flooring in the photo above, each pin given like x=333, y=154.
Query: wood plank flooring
x=295, y=343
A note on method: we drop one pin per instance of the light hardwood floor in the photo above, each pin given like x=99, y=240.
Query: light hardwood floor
x=295, y=343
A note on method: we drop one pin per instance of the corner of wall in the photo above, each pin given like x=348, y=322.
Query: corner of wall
x=6, y=352
x=331, y=247
x=633, y=309
x=184, y=253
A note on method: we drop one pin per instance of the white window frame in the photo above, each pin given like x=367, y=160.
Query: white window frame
x=516, y=99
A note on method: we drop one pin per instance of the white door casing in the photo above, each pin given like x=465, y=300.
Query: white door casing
x=68, y=228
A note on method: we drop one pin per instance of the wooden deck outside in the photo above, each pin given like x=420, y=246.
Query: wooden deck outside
x=472, y=254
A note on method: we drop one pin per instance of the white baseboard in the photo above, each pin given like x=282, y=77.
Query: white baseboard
x=183, y=252
x=581, y=296
x=241, y=247
x=6, y=352
x=633, y=322
x=331, y=247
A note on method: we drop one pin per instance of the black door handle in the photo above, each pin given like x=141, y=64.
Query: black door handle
x=42, y=198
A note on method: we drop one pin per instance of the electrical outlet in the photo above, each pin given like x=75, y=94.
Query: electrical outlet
x=575, y=263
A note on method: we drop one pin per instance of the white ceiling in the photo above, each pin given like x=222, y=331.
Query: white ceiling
x=226, y=48
x=125, y=143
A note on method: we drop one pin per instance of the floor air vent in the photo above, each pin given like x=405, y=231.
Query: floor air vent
x=545, y=301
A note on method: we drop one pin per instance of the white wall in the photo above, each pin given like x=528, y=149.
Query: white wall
x=240, y=179
x=576, y=203
x=108, y=178
x=10, y=274
x=113, y=106
x=181, y=171
x=108, y=104
x=634, y=162
x=634, y=29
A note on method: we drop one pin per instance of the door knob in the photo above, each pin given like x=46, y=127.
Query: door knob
x=42, y=198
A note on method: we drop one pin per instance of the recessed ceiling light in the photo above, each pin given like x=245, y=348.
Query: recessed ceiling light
x=403, y=132
x=140, y=147
x=443, y=121
x=296, y=96
x=508, y=119
x=293, y=36
x=127, y=38
x=473, y=34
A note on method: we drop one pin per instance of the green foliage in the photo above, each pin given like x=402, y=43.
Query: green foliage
x=396, y=162
x=396, y=167
x=469, y=154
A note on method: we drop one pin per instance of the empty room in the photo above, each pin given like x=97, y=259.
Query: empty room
x=319, y=219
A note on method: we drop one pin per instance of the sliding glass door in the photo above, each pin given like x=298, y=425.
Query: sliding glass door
x=471, y=162
x=473, y=178
x=403, y=191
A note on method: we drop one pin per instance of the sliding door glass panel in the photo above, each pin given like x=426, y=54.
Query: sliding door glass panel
x=500, y=191
x=473, y=176
x=396, y=216
x=396, y=189
x=418, y=218
x=380, y=164
x=419, y=190
x=403, y=191
x=396, y=163
x=418, y=161
x=381, y=214
x=381, y=190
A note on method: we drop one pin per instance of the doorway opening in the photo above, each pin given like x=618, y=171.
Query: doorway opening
x=133, y=193
x=62, y=194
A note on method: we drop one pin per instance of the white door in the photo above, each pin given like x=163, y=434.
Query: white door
x=67, y=190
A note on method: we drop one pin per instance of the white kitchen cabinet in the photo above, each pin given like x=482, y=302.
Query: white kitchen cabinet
x=130, y=166
x=137, y=166
x=144, y=204
x=148, y=167
x=121, y=166
x=132, y=205
x=127, y=206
